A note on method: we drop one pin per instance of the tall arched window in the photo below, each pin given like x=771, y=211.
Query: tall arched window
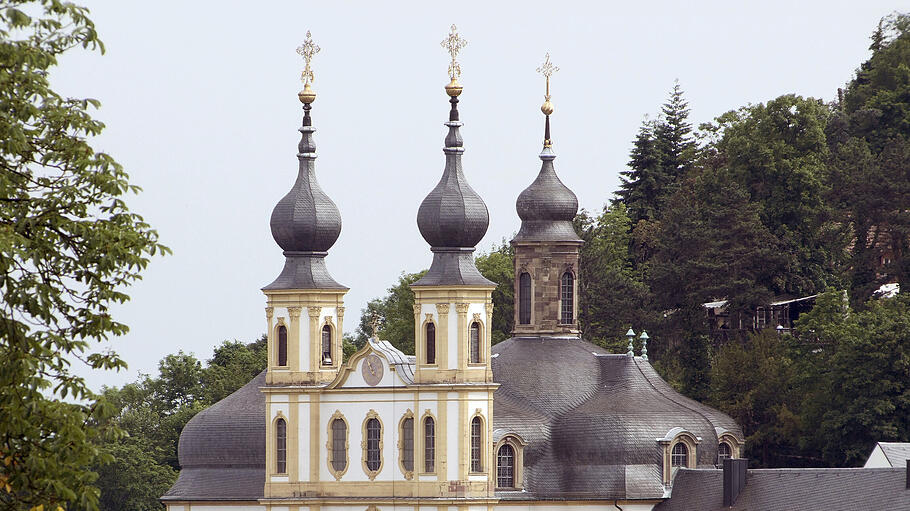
x=429, y=445
x=407, y=444
x=282, y=345
x=476, y=442
x=505, y=467
x=475, y=343
x=723, y=452
x=431, y=343
x=281, y=446
x=327, y=345
x=680, y=455
x=567, y=296
x=374, y=434
x=339, y=440
x=524, y=299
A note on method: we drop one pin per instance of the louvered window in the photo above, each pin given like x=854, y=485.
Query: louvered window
x=505, y=467
x=475, y=343
x=524, y=299
x=281, y=446
x=374, y=434
x=282, y=346
x=327, y=345
x=431, y=343
x=339, y=441
x=429, y=445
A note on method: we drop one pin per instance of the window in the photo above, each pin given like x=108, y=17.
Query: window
x=723, y=452
x=476, y=440
x=680, y=455
x=429, y=445
x=339, y=441
x=327, y=345
x=281, y=446
x=567, y=296
x=475, y=343
x=431, y=343
x=282, y=345
x=407, y=444
x=374, y=434
x=505, y=467
x=524, y=299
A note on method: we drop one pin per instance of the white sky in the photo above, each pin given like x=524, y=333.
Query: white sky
x=201, y=108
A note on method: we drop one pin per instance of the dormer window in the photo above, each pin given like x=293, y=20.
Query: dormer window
x=680, y=455
x=505, y=467
x=326, y=345
x=723, y=452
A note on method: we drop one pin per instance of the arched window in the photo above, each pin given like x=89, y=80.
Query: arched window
x=282, y=345
x=429, y=445
x=431, y=343
x=476, y=442
x=339, y=439
x=407, y=444
x=281, y=446
x=475, y=343
x=327, y=345
x=680, y=455
x=567, y=296
x=524, y=299
x=505, y=467
x=374, y=434
x=723, y=452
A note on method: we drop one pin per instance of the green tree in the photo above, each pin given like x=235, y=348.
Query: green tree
x=395, y=314
x=641, y=185
x=232, y=365
x=498, y=266
x=69, y=246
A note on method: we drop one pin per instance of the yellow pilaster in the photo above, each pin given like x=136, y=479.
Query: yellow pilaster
x=294, y=339
x=442, y=336
x=315, y=339
x=293, y=440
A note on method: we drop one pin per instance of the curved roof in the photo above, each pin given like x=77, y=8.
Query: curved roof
x=547, y=207
x=593, y=420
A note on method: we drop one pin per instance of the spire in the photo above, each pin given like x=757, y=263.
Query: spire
x=306, y=223
x=547, y=207
x=453, y=218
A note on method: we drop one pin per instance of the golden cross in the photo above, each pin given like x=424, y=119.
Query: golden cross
x=453, y=44
x=307, y=50
x=547, y=69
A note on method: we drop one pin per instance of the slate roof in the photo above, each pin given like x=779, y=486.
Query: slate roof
x=547, y=207
x=592, y=419
x=806, y=489
x=897, y=452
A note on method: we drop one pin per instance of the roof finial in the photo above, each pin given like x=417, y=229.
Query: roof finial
x=547, y=69
x=644, y=345
x=453, y=44
x=631, y=335
x=307, y=50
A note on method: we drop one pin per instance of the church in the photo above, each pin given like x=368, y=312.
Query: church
x=543, y=420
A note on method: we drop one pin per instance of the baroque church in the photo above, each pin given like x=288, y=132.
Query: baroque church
x=543, y=420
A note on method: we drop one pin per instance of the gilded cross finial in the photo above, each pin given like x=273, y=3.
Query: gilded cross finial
x=547, y=69
x=307, y=50
x=453, y=44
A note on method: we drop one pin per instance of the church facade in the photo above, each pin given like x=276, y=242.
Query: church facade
x=543, y=420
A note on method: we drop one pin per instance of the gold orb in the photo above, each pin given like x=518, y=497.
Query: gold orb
x=454, y=88
x=307, y=95
x=547, y=107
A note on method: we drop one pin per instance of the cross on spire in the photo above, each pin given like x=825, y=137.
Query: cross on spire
x=307, y=50
x=547, y=69
x=453, y=44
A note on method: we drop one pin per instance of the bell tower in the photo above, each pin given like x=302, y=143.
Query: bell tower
x=305, y=306
x=546, y=246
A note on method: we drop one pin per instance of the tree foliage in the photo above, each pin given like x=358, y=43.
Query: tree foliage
x=69, y=246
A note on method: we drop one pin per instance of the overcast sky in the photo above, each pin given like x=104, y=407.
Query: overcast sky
x=200, y=104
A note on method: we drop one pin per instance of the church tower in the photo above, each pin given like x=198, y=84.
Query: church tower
x=546, y=246
x=305, y=307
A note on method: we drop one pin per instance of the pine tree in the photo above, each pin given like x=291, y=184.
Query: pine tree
x=640, y=187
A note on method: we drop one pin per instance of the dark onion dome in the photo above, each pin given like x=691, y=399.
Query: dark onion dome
x=453, y=218
x=222, y=449
x=592, y=420
x=305, y=223
x=547, y=207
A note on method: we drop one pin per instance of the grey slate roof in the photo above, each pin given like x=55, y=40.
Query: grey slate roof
x=222, y=449
x=547, y=207
x=897, y=452
x=592, y=419
x=305, y=223
x=805, y=489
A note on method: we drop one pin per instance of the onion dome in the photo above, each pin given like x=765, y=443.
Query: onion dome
x=306, y=223
x=453, y=218
x=547, y=207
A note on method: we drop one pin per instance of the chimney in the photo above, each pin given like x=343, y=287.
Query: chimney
x=734, y=479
